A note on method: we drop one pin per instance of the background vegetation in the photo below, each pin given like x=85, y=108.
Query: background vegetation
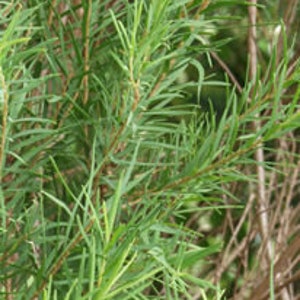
x=149, y=149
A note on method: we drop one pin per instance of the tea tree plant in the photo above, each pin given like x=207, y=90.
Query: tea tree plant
x=113, y=184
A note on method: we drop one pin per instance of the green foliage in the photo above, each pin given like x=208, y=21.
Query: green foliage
x=105, y=162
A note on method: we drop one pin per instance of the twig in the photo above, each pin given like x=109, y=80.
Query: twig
x=51, y=13
x=4, y=122
x=289, y=17
x=261, y=291
x=63, y=257
x=235, y=253
x=224, y=66
x=259, y=153
x=86, y=52
x=225, y=261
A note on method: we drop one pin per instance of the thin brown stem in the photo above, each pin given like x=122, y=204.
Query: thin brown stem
x=86, y=52
x=229, y=250
x=259, y=153
x=4, y=122
x=227, y=70
x=288, y=19
x=51, y=13
x=63, y=257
